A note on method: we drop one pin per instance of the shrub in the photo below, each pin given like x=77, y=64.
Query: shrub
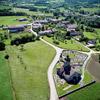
x=2, y=46
x=22, y=39
x=56, y=42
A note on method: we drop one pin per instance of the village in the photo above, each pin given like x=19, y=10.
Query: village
x=49, y=46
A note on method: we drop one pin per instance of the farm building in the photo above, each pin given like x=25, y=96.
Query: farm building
x=41, y=21
x=74, y=33
x=55, y=21
x=71, y=27
x=46, y=32
x=63, y=24
x=36, y=26
x=22, y=19
x=14, y=29
x=91, y=43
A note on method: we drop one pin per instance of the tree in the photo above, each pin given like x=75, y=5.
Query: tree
x=99, y=58
x=2, y=46
x=7, y=56
x=98, y=47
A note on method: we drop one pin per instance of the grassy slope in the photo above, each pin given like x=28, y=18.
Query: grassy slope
x=89, y=93
x=11, y=20
x=69, y=45
x=5, y=86
x=29, y=74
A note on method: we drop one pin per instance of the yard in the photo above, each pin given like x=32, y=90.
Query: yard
x=70, y=45
x=11, y=20
x=29, y=70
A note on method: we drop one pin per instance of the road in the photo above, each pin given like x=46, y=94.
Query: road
x=53, y=92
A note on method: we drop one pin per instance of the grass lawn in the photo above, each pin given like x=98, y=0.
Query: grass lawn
x=90, y=9
x=91, y=92
x=90, y=35
x=71, y=45
x=11, y=20
x=5, y=85
x=29, y=70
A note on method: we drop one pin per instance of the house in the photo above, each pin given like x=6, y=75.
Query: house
x=71, y=27
x=36, y=26
x=91, y=43
x=14, y=29
x=22, y=19
x=74, y=33
x=46, y=32
x=63, y=24
x=41, y=21
x=54, y=21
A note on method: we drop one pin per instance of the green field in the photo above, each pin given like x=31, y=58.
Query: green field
x=29, y=70
x=32, y=12
x=11, y=20
x=91, y=92
x=91, y=9
x=70, y=45
x=5, y=79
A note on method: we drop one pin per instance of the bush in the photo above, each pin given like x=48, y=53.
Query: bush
x=38, y=37
x=7, y=56
x=98, y=47
x=56, y=42
x=22, y=39
x=2, y=46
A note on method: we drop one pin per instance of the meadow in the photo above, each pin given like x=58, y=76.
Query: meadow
x=28, y=68
x=70, y=45
x=37, y=13
x=5, y=79
x=12, y=20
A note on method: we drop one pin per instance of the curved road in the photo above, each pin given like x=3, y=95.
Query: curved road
x=53, y=92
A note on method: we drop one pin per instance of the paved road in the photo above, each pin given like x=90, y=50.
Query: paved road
x=53, y=92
